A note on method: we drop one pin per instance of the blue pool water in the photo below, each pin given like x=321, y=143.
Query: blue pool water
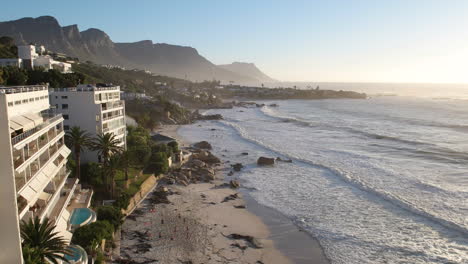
x=80, y=215
x=77, y=254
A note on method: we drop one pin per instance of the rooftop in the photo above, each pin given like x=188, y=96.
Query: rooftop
x=89, y=88
x=22, y=89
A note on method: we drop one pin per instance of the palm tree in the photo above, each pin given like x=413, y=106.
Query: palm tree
x=78, y=139
x=41, y=242
x=106, y=145
x=125, y=162
x=31, y=255
x=110, y=169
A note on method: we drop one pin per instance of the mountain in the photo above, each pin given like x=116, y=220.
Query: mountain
x=95, y=45
x=248, y=69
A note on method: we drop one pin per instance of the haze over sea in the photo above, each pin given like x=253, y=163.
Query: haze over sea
x=383, y=180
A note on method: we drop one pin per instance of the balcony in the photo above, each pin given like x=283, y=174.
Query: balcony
x=22, y=155
x=48, y=119
x=24, y=175
x=109, y=117
x=112, y=105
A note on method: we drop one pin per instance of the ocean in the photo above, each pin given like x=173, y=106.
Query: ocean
x=383, y=180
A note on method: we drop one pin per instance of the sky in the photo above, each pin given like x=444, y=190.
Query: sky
x=290, y=40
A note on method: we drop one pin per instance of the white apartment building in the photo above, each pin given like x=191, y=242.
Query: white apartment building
x=32, y=165
x=29, y=58
x=94, y=108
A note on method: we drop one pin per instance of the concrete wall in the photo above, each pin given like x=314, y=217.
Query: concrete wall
x=10, y=242
x=145, y=188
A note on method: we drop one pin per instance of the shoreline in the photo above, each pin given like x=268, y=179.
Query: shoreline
x=289, y=240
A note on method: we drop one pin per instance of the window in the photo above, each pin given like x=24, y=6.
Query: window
x=56, y=97
x=64, y=97
x=10, y=103
x=25, y=101
x=65, y=117
x=31, y=99
x=65, y=127
x=37, y=98
x=64, y=106
x=17, y=102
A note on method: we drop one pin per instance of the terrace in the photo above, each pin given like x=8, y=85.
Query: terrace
x=48, y=118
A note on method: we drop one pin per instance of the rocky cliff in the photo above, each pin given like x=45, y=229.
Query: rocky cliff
x=95, y=45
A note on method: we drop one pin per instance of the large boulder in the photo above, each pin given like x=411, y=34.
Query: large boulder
x=264, y=161
x=237, y=166
x=234, y=184
x=197, y=163
x=206, y=157
x=202, y=145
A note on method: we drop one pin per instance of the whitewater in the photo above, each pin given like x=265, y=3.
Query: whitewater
x=383, y=180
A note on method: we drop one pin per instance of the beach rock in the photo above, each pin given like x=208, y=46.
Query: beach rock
x=245, y=153
x=230, y=173
x=239, y=206
x=237, y=166
x=184, y=183
x=262, y=161
x=207, y=157
x=230, y=197
x=170, y=181
x=253, y=242
x=202, y=145
x=237, y=245
x=207, y=174
x=273, y=105
x=234, y=184
x=197, y=163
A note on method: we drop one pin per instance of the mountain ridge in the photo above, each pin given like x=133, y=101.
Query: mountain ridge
x=96, y=45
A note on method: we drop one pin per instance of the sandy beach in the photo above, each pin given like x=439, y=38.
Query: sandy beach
x=212, y=223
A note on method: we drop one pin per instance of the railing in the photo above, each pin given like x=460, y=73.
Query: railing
x=111, y=117
x=86, y=89
x=28, y=133
x=112, y=105
x=23, y=89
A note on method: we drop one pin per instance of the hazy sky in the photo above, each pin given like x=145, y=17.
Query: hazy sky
x=373, y=41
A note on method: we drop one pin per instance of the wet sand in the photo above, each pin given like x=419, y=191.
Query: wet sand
x=279, y=240
x=299, y=246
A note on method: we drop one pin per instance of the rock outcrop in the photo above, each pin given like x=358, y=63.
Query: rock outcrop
x=202, y=145
x=95, y=45
x=264, y=161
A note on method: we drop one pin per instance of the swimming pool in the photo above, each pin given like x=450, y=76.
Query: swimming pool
x=78, y=255
x=82, y=216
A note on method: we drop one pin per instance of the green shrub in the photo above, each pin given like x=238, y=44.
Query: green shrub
x=90, y=236
x=93, y=172
x=123, y=201
x=111, y=214
x=174, y=146
x=159, y=157
x=159, y=167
